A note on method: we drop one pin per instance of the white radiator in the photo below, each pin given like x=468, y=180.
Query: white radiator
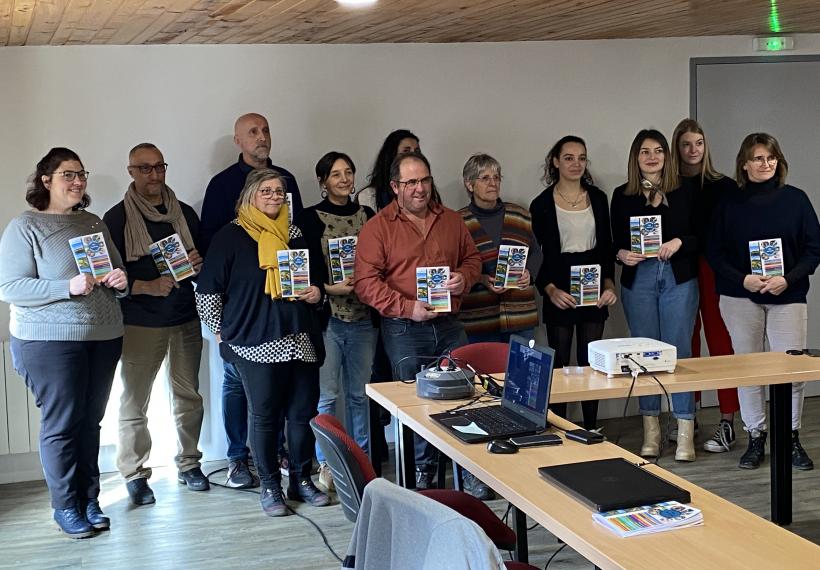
x=19, y=416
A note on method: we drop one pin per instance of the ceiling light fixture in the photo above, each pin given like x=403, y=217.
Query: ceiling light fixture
x=356, y=3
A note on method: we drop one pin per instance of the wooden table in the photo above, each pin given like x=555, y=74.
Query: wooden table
x=778, y=370
x=731, y=537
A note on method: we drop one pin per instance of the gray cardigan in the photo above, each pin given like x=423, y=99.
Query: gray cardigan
x=36, y=265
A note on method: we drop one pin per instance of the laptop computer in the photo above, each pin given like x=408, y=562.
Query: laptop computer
x=610, y=484
x=523, y=409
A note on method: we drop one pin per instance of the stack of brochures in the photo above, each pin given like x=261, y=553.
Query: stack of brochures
x=651, y=519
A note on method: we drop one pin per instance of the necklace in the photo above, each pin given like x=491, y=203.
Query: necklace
x=581, y=196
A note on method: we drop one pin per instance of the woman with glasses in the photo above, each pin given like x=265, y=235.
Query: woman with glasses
x=764, y=244
x=349, y=332
x=655, y=237
x=66, y=331
x=691, y=153
x=571, y=221
x=269, y=331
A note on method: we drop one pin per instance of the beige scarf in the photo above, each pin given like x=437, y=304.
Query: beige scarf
x=138, y=209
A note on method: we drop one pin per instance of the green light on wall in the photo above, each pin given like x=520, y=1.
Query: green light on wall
x=774, y=17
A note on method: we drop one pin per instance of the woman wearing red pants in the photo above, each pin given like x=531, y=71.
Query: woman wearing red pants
x=695, y=168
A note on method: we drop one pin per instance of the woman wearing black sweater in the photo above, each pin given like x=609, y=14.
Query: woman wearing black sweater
x=765, y=298
x=694, y=163
x=570, y=220
x=274, y=341
x=349, y=334
x=659, y=287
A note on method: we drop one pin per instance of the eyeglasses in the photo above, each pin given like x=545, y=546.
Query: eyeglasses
x=413, y=183
x=147, y=168
x=70, y=175
x=764, y=160
x=487, y=178
x=271, y=192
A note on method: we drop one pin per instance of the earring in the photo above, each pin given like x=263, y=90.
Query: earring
x=324, y=192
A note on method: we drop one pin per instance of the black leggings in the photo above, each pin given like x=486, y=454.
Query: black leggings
x=559, y=337
x=284, y=388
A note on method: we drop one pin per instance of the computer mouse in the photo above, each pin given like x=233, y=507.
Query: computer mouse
x=501, y=446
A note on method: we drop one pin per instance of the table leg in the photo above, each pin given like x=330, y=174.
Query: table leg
x=373, y=427
x=522, y=553
x=405, y=456
x=780, y=415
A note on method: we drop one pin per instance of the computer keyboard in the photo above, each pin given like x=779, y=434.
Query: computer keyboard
x=493, y=419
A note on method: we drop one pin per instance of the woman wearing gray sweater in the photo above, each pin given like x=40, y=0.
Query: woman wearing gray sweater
x=66, y=332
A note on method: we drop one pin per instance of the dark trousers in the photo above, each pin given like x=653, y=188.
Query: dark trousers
x=235, y=416
x=71, y=382
x=409, y=345
x=559, y=337
x=289, y=389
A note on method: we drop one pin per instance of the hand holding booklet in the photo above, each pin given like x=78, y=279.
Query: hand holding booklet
x=342, y=257
x=91, y=255
x=294, y=271
x=645, y=235
x=509, y=269
x=171, y=258
x=430, y=287
x=766, y=256
x=585, y=284
x=650, y=519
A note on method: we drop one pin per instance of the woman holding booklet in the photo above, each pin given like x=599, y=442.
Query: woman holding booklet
x=62, y=281
x=331, y=229
x=764, y=244
x=655, y=238
x=258, y=293
x=571, y=221
x=502, y=303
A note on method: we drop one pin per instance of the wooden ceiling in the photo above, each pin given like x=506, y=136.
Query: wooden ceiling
x=119, y=22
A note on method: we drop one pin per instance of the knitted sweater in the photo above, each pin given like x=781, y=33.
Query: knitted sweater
x=36, y=265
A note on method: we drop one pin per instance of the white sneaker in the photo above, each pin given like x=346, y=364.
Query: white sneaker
x=326, y=478
x=723, y=440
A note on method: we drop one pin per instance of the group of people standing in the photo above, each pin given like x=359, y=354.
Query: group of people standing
x=285, y=357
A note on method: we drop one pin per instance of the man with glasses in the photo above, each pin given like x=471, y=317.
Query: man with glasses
x=252, y=136
x=161, y=324
x=414, y=231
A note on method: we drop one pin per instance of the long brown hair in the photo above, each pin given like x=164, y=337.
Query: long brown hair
x=669, y=176
x=745, y=154
x=707, y=171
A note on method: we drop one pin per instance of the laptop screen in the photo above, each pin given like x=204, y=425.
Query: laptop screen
x=528, y=379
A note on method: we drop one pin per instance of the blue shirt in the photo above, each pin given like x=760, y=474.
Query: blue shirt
x=219, y=205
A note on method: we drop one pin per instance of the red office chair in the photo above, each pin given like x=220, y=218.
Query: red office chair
x=484, y=357
x=352, y=471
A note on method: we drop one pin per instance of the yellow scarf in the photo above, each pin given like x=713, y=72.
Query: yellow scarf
x=271, y=235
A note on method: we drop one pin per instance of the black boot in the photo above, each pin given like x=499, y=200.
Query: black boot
x=304, y=491
x=800, y=459
x=755, y=452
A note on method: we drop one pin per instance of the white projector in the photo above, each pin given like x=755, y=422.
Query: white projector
x=620, y=355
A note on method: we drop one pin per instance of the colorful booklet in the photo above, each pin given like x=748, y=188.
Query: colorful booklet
x=651, y=519
x=585, y=284
x=342, y=257
x=171, y=258
x=645, y=235
x=91, y=255
x=294, y=271
x=430, y=287
x=512, y=261
x=767, y=257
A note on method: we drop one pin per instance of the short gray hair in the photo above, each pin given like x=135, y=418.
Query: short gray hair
x=254, y=181
x=478, y=162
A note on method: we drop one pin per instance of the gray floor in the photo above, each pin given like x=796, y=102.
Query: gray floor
x=224, y=529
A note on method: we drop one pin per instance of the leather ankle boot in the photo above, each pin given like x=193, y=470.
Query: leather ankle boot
x=651, y=436
x=686, y=441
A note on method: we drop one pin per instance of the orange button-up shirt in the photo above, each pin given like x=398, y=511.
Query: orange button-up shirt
x=391, y=247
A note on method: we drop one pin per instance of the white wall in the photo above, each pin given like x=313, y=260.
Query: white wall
x=512, y=100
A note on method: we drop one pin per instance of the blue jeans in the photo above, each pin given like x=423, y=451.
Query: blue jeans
x=527, y=334
x=235, y=413
x=349, y=349
x=405, y=339
x=658, y=307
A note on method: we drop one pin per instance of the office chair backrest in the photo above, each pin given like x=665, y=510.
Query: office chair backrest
x=349, y=465
x=484, y=357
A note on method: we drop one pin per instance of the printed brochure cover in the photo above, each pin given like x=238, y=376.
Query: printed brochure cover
x=430, y=287
x=91, y=255
x=512, y=260
x=294, y=271
x=171, y=258
x=651, y=519
x=766, y=256
x=342, y=257
x=645, y=235
x=585, y=284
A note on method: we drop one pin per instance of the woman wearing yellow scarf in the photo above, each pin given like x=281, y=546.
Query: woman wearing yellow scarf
x=275, y=341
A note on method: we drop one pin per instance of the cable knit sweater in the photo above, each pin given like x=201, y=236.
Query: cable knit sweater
x=36, y=265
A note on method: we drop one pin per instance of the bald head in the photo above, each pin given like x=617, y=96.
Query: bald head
x=252, y=135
